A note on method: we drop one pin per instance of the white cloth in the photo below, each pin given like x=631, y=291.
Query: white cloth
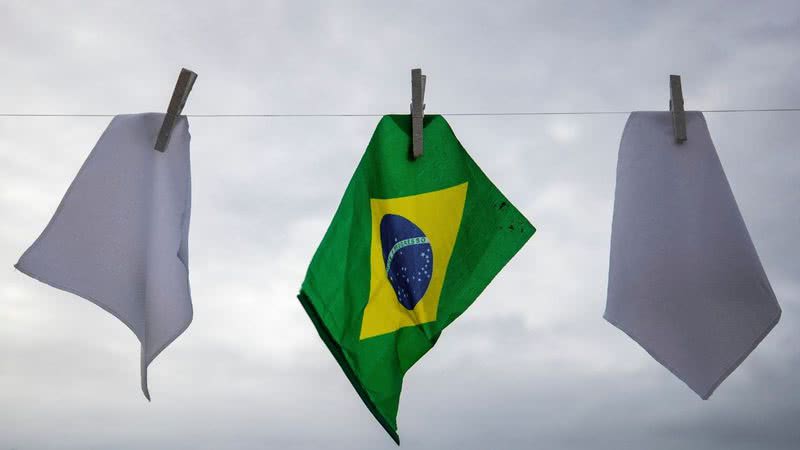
x=119, y=238
x=684, y=281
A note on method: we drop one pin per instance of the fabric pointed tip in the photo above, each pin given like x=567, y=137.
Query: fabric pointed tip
x=392, y=433
x=145, y=388
x=146, y=391
x=705, y=395
x=338, y=355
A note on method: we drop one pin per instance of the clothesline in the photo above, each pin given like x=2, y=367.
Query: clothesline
x=409, y=240
x=313, y=115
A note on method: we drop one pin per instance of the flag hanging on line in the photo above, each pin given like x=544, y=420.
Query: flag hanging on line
x=411, y=246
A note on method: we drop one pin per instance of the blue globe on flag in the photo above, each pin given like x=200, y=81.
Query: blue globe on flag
x=409, y=258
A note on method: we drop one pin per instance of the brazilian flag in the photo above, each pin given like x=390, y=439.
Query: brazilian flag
x=411, y=246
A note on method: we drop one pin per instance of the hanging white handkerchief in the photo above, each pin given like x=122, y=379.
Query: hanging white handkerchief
x=119, y=238
x=685, y=281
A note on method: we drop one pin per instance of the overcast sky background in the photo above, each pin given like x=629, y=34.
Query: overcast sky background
x=531, y=364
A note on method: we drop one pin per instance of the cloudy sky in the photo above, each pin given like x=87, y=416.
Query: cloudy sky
x=532, y=364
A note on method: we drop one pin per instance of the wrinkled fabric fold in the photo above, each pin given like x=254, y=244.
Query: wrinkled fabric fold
x=119, y=238
x=685, y=281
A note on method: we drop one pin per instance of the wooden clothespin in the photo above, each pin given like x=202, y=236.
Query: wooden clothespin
x=676, y=106
x=417, y=110
x=182, y=88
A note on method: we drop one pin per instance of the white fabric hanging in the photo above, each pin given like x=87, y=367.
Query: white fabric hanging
x=685, y=281
x=119, y=238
